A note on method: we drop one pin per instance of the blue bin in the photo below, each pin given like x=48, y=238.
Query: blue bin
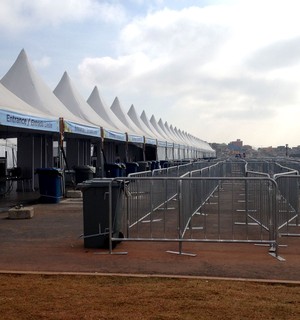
x=154, y=165
x=113, y=170
x=50, y=184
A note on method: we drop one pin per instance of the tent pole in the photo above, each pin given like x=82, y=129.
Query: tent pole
x=126, y=148
x=61, y=143
x=144, y=149
x=33, y=164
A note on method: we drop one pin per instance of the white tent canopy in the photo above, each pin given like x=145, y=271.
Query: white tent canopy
x=15, y=112
x=67, y=93
x=160, y=139
x=158, y=129
x=167, y=132
x=23, y=81
x=136, y=135
x=149, y=136
x=172, y=134
x=105, y=113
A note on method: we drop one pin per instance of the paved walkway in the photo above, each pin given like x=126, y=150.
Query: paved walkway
x=50, y=242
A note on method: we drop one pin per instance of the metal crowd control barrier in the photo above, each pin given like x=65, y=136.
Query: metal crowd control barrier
x=207, y=209
x=225, y=201
x=288, y=204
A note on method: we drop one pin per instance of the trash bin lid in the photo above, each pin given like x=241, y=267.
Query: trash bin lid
x=98, y=183
x=49, y=170
x=85, y=168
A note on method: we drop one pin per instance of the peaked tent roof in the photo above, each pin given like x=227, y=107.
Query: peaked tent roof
x=105, y=112
x=169, y=128
x=15, y=112
x=158, y=129
x=67, y=93
x=170, y=133
x=161, y=140
x=150, y=137
x=24, y=81
x=136, y=134
x=175, y=133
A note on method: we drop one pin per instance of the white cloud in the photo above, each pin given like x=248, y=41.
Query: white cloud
x=15, y=15
x=42, y=63
x=204, y=69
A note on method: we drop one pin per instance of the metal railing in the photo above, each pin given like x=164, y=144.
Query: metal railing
x=225, y=201
x=204, y=209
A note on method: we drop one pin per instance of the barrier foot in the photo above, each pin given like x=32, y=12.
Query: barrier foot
x=112, y=253
x=182, y=253
x=273, y=254
x=290, y=234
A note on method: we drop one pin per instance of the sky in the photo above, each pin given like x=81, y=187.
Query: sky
x=219, y=70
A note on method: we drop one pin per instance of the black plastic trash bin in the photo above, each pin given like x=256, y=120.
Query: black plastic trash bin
x=143, y=166
x=51, y=184
x=83, y=173
x=96, y=211
x=164, y=163
x=131, y=167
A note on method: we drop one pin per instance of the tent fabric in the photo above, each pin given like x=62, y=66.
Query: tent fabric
x=176, y=139
x=66, y=92
x=167, y=132
x=149, y=136
x=24, y=82
x=95, y=101
x=158, y=129
x=136, y=135
x=28, y=102
x=15, y=112
x=161, y=141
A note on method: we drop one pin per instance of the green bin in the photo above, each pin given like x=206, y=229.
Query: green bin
x=96, y=211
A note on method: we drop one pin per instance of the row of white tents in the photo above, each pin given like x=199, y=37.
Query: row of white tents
x=37, y=116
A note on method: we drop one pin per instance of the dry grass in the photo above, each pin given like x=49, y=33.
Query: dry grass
x=97, y=297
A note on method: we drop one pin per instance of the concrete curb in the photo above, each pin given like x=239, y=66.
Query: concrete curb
x=133, y=275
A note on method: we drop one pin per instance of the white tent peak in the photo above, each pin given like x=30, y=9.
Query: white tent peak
x=149, y=125
x=25, y=82
x=158, y=129
x=118, y=111
x=124, y=118
x=138, y=122
x=67, y=93
x=95, y=101
x=10, y=101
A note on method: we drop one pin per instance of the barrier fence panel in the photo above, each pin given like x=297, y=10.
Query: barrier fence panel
x=201, y=209
x=288, y=204
x=286, y=175
x=234, y=168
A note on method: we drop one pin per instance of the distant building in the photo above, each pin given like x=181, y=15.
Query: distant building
x=236, y=147
x=238, y=143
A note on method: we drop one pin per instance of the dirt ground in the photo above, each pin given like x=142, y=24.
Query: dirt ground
x=30, y=297
x=51, y=242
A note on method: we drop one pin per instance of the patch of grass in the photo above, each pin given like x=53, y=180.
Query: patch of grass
x=98, y=297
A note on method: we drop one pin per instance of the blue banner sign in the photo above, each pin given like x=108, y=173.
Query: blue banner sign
x=150, y=141
x=108, y=134
x=19, y=120
x=135, y=139
x=73, y=127
x=161, y=143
